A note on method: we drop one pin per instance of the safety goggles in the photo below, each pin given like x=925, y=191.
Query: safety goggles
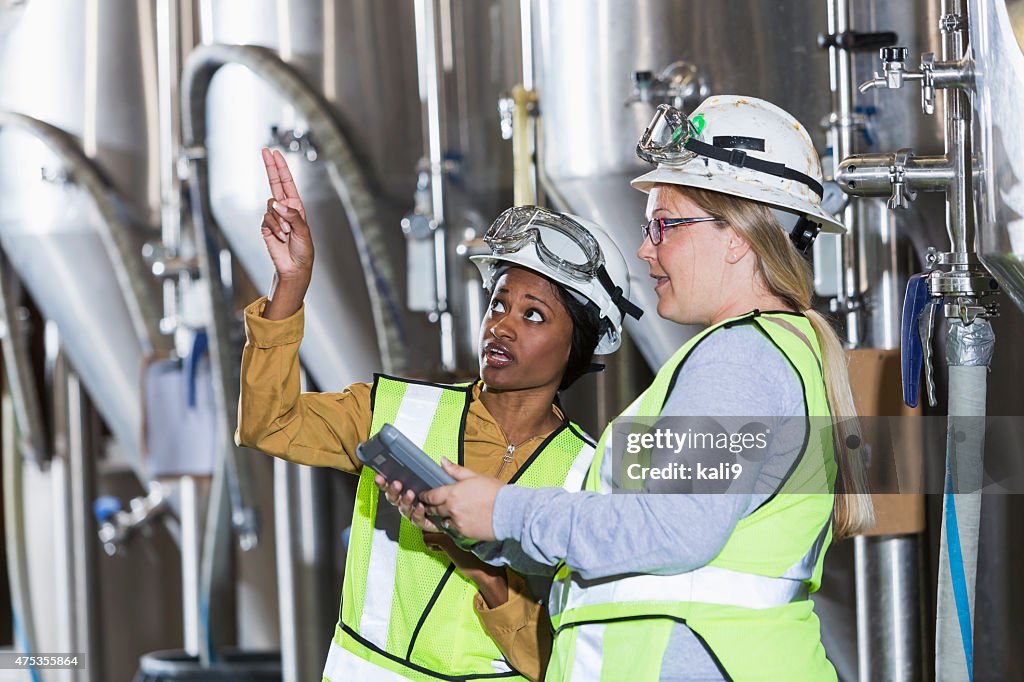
x=560, y=242
x=665, y=139
x=673, y=140
x=655, y=229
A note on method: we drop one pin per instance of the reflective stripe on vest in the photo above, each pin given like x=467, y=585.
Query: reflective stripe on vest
x=405, y=609
x=708, y=584
x=414, y=417
x=761, y=577
x=344, y=665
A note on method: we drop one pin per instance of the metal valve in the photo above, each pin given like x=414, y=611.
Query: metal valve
x=932, y=74
x=680, y=84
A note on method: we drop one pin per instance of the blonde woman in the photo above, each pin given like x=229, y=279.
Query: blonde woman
x=704, y=586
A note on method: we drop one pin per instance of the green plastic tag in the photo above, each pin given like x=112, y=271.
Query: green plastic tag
x=698, y=123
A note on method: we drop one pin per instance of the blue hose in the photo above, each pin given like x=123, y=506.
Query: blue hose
x=957, y=575
x=19, y=636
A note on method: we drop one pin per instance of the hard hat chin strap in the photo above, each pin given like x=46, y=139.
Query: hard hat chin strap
x=803, y=234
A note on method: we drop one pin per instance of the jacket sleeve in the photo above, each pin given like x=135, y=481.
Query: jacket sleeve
x=519, y=627
x=318, y=429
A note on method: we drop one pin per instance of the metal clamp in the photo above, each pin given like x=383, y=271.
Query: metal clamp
x=967, y=311
x=902, y=195
x=952, y=23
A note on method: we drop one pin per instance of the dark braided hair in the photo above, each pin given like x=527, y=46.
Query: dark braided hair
x=587, y=328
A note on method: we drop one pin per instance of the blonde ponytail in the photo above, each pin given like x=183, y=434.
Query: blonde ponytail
x=853, y=512
x=788, y=276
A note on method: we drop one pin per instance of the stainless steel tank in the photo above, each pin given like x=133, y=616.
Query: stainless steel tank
x=332, y=45
x=361, y=57
x=584, y=52
x=997, y=37
x=82, y=68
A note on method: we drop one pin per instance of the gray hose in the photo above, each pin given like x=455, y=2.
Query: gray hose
x=22, y=386
x=343, y=169
x=14, y=532
x=969, y=353
x=113, y=228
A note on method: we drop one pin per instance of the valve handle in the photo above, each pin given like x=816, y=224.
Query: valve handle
x=642, y=78
x=912, y=346
x=105, y=507
x=894, y=54
x=200, y=345
x=857, y=41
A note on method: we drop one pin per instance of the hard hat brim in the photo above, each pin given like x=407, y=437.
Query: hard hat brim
x=780, y=197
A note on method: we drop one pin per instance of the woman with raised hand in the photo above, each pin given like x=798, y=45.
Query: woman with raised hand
x=415, y=606
x=692, y=586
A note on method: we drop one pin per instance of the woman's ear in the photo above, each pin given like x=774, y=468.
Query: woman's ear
x=737, y=246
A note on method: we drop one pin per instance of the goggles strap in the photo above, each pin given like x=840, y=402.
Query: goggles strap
x=626, y=306
x=738, y=157
x=754, y=144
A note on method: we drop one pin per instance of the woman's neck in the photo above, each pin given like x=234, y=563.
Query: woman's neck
x=745, y=304
x=521, y=414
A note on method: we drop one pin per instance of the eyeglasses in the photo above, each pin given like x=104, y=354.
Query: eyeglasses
x=655, y=229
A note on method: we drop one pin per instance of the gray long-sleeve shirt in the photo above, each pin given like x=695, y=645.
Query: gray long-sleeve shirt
x=734, y=372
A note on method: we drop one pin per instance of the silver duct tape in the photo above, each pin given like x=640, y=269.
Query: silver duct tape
x=970, y=345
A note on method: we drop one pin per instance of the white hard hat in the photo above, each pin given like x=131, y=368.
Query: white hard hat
x=569, y=250
x=741, y=146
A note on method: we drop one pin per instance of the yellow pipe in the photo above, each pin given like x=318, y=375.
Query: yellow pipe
x=524, y=190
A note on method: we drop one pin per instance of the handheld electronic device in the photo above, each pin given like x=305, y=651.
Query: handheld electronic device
x=392, y=455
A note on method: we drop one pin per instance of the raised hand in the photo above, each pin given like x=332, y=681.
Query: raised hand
x=289, y=243
x=284, y=227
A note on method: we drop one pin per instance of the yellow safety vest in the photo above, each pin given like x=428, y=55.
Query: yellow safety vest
x=406, y=613
x=750, y=604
